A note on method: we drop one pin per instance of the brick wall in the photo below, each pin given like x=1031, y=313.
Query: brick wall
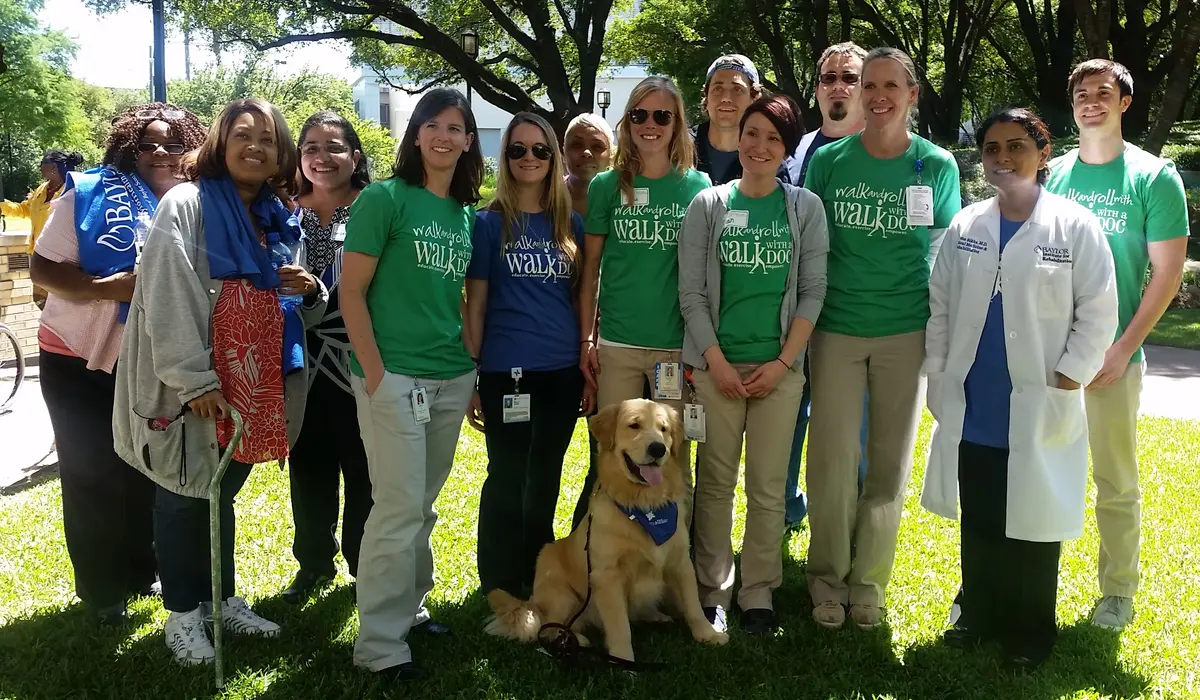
x=17, y=310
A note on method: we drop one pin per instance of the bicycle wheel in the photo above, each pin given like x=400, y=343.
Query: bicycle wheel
x=10, y=357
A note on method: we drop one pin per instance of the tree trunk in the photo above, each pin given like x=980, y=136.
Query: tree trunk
x=1178, y=84
x=1094, y=23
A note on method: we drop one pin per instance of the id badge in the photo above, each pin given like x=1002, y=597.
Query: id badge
x=737, y=218
x=420, y=405
x=339, y=233
x=668, y=381
x=641, y=196
x=920, y=205
x=516, y=408
x=693, y=422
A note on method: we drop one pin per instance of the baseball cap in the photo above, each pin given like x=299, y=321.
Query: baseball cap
x=733, y=61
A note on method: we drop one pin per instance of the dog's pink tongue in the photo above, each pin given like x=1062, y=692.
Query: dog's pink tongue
x=652, y=473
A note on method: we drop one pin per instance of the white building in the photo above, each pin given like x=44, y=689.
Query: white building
x=376, y=100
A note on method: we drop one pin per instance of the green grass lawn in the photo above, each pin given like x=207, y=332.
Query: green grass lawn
x=1178, y=328
x=49, y=649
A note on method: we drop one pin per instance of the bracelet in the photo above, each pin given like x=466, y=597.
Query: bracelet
x=589, y=341
x=780, y=361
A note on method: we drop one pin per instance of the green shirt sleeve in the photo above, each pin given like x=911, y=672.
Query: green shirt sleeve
x=947, y=197
x=1166, y=206
x=370, y=223
x=600, y=205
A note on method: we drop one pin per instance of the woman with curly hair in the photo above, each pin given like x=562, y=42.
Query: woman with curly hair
x=85, y=258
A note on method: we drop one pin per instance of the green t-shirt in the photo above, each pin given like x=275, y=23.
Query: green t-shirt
x=1138, y=199
x=879, y=265
x=755, y=250
x=423, y=243
x=639, y=272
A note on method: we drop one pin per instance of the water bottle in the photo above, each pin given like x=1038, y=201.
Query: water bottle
x=280, y=254
x=141, y=230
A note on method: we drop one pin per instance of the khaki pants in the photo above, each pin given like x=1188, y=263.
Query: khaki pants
x=622, y=372
x=1112, y=435
x=853, y=541
x=409, y=464
x=767, y=424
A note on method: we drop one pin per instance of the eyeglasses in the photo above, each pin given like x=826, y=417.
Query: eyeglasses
x=662, y=117
x=831, y=78
x=333, y=149
x=517, y=151
x=171, y=148
x=160, y=114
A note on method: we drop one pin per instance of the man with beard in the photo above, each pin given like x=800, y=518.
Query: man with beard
x=838, y=73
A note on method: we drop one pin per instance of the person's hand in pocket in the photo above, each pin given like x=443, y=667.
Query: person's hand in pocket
x=475, y=413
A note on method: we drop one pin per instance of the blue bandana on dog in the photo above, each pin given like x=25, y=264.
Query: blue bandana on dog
x=659, y=523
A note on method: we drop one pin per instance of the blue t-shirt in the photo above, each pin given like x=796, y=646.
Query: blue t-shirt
x=989, y=385
x=531, y=321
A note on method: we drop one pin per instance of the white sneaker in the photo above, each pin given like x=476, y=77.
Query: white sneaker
x=237, y=617
x=187, y=638
x=1113, y=612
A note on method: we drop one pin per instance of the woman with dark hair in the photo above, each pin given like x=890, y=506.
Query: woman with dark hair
x=85, y=258
x=408, y=244
x=215, y=322
x=521, y=295
x=36, y=207
x=751, y=285
x=1023, y=307
x=333, y=170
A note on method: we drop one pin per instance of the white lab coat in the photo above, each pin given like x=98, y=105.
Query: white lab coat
x=1060, y=315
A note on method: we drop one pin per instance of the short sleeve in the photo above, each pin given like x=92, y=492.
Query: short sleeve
x=1166, y=206
x=947, y=196
x=59, y=242
x=601, y=195
x=481, y=246
x=370, y=223
x=816, y=176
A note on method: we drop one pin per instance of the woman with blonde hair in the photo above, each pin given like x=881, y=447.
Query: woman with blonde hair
x=523, y=331
x=634, y=214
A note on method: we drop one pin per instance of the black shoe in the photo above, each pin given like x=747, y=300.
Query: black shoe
x=433, y=627
x=759, y=621
x=959, y=637
x=304, y=585
x=716, y=616
x=112, y=615
x=1020, y=663
x=404, y=672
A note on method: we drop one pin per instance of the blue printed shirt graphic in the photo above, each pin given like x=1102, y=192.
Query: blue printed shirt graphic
x=530, y=321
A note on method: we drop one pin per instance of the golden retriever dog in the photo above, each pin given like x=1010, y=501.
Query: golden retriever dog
x=640, y=443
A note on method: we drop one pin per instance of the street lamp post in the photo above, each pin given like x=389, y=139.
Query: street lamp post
x=470, y=46
x=159, y=76
x=603, y=100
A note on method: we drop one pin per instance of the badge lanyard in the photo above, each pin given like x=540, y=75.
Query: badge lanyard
x=516, y=404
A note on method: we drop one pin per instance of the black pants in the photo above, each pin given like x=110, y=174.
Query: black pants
x=516, y=508
x=1009, y=586
x=107, y=504
x=181, y=536
x=330, y=444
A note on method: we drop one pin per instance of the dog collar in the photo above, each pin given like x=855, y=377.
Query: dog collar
x=659, y=523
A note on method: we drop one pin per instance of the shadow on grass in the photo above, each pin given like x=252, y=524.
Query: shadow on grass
x=63, y=654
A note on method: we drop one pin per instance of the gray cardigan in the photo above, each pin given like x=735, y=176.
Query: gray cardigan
x=166, y=354
x=700, y=267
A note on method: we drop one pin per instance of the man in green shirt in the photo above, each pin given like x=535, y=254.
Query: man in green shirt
x=1139, y=201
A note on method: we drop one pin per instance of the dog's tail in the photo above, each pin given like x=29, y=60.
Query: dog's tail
x=512, y=618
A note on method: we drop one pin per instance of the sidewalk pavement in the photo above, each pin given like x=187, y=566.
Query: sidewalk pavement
x=1171, y=389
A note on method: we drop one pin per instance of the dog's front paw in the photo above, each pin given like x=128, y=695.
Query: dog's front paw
x=710, y=636
x=656, y=617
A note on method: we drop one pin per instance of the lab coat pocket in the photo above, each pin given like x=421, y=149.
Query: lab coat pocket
x=1054, y=291
x=1063, y=417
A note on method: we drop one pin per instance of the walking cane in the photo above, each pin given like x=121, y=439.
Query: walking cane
x=214, y=539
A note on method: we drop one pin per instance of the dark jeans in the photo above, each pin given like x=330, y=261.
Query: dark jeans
x=796, y=505
x=516, y=507
x=330, y=444
x=181, y=538
x=107, y=504
x=1009, y=586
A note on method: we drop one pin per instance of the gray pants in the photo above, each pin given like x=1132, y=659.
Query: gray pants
x=409, y=464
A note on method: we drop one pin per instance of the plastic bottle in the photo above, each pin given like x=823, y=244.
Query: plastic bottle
x=279, y=255
x=141, y=230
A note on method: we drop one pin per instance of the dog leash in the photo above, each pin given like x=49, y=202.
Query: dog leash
x=565, y=646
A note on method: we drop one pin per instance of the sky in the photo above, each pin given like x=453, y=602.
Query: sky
x=114, y=50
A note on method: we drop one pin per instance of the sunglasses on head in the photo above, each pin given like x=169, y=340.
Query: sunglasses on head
x=831, y=78
x=662, y=117
x=171, y=148
x=517, y=151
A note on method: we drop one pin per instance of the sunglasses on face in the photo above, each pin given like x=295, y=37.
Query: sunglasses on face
x=171, y=148
x=662, y=117
x=160, y=114
x=831, y=78
x=517, y=151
